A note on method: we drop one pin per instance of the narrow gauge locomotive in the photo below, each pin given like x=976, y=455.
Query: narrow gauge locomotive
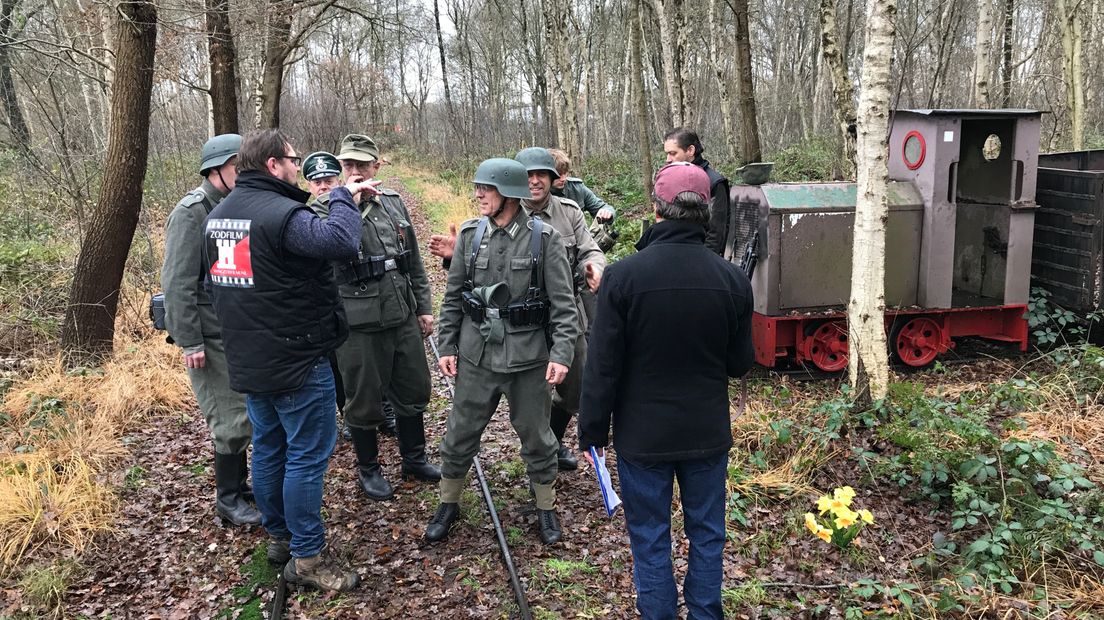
x=958, y=242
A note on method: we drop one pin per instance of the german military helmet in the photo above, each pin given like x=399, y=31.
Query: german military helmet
x=536, y=158
x=319, y=165
x=509, y=177
x=605, y=235
x=218, y=150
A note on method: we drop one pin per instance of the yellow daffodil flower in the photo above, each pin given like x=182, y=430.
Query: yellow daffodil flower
x=837, y=506
x=866, y=516
x=811, y=522
x=824, y=535
x=844, y=521
x=844, y=494
x=824, y=504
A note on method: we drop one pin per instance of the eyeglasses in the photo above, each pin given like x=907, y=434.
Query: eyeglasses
x=292, y=158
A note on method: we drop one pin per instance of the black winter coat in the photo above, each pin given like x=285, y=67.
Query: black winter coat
x=673, y=324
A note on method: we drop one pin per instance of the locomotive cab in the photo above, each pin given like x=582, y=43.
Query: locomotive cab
x=958, y=242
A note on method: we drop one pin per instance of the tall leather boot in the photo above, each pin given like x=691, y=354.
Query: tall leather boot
x=229, y=503
x=390, y=425
x=565, y=458
x=366, y=443
x=246, y=490
x=411, y=431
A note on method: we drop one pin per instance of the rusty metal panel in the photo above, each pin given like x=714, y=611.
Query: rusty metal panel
x=1067, y=251
x=814, y=229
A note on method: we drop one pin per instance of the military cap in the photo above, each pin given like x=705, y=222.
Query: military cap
x=319, y=165
x=359, y=147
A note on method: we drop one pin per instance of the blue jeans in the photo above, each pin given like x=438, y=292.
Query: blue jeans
x=646, y=490
x=294, y=434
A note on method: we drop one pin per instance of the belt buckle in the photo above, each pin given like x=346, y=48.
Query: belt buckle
x=390, y=264
x=493, y=313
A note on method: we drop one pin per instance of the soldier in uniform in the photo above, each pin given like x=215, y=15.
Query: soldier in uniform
x=193, y=326
x=574, y=189
x=587, y=262
x=386, y=296
x=508, y=326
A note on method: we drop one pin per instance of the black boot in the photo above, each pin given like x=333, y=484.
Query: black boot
x=229, y=503
x=412, y=448
x=558, y=421
x=246, y=490
x=442, y=522
x=389, y=426
x=375, y=486
x=549, y=523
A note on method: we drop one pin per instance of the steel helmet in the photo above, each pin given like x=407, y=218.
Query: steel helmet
x=536, y=158
x=218, y=150
x=507, y=176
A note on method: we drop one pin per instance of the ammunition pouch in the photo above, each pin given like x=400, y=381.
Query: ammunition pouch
x=518, y=313
x=371, y=267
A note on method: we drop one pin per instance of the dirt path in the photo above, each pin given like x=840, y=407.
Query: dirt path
x=170, y=558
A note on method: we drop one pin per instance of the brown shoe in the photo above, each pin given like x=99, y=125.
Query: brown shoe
x=321, y=572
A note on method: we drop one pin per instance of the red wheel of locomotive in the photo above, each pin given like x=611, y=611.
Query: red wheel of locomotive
x=917, y=342
x=827, y=346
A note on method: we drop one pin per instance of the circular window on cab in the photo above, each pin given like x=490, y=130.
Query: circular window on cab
x=914, y=150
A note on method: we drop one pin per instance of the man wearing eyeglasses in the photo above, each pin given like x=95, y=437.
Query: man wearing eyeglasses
x=281, y=316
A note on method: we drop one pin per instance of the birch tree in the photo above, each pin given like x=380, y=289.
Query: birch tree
x=982, y=51
x=749, y=115
x=868, y=363
x=223, y=61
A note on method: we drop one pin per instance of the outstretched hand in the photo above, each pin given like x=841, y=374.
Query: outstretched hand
x=593, y=276
x=443, y=246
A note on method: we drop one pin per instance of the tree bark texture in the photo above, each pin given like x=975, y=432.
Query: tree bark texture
x=1069, y=11
x=224, y=76
x=559, y=76
x=640, y=108
x=842, y=92
x=982, y=50
x=17, y=124
x=669, y=13
x=869, y=363
x=89, y=327
x=444, y=64
x=277, y=48
x=1006, y=57
x=749, y=116
x=715, y=55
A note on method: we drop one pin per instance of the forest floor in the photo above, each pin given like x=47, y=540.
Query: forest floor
x=935, y=466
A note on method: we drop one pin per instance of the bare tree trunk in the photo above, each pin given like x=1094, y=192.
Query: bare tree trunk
x=559, y=72
x=669, y=14
x=1070, y=15
x=869, y=363
x=636, y=69
x=1006, y=59
x=843, y=93
x=982, y=50
x=224, y=76
x=749, y=117
x=89, y=327
x=444, y=64
x=21, y=134
x=722, y=81
x=277, y=48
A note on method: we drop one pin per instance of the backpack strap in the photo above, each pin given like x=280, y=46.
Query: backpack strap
x=480, y=230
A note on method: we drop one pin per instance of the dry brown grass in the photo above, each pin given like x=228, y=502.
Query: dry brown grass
x=444, y=204
x=64, y=435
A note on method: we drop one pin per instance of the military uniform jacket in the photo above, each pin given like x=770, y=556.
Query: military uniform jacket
x=189, y=315
x=386, y=302
x=575, y=190
x=567, y=218
x=504, y=257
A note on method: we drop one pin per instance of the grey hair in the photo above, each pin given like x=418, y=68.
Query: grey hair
x=688, y=206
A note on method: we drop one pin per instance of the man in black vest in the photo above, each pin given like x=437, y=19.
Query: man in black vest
x=281, y=316
x=684, y=145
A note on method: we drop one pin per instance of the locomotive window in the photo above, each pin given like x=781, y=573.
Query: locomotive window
x=914, y=150
x=992, y=147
